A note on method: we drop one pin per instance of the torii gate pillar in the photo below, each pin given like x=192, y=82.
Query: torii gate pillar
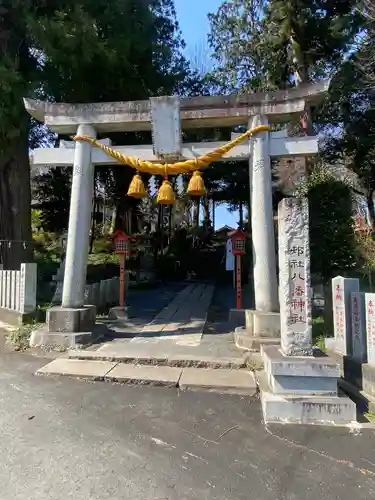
x=262, y=324
x=262, y=225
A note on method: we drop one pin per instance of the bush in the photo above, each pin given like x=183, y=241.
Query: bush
x=332, y=240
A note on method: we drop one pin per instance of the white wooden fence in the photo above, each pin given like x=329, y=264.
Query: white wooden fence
x=101, y=294
x=18, y=288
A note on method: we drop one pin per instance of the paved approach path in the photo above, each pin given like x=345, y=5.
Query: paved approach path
x=171, y=350
x=183, y=320
x=67, y=439
x=178, y=331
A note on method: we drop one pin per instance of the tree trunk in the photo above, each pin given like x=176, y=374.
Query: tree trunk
x=196, y=212
x=328, y=308
x=15, y=203
x=371, y=208
x=170, y=222
x=213, y=215
x=92, y=232
x=160, y=218
x=301, y=75
x=241, y=214
x=93, y=217
x=113, y=220
x=206, y=213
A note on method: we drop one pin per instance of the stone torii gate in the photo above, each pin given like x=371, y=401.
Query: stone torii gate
x=166, y=117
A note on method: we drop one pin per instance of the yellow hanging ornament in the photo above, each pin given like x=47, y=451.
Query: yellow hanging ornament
x=166, y=194
x=196, y=185
x=137, y=188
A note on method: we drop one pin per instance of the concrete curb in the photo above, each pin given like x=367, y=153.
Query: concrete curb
x=241, y=382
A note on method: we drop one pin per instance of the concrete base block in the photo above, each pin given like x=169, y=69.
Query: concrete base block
x=118, y=313
x=311, y=386
x=43, y=338
x=66, y=328
x=69, y=320
x=246, y=341
x=277, y=364
x=262, y=324
x=277, y=408
x=237, y=317
x=302, y=389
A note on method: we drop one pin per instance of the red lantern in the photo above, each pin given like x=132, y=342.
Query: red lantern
x=238, y=242
x=122, y=243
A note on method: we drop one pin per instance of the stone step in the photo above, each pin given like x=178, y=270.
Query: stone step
x=228, y=381
x=223, y=381
x=244, y=340
x=141, y=354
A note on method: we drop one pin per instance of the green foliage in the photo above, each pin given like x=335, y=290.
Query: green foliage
x=366, y=255
x=235, y=38
x=260, y=44
x=332, y=242
x=36, y=222
x=19, y=338
x=52, y=194
x=109, y=51
x=307, y=39
x=95, y=50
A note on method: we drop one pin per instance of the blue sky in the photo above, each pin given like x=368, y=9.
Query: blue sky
x=192, y=17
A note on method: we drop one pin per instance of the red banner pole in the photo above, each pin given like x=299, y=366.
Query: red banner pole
x=122, y=280
x=238, y=281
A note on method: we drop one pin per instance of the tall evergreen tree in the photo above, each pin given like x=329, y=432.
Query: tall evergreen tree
x=75, y=51
x=279, y=43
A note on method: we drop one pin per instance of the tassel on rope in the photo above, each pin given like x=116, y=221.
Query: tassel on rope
x=137, y=188
x=166, y=194
x=196, y=185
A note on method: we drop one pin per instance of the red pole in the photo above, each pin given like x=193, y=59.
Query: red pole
x=238, y=281
x=122, y=280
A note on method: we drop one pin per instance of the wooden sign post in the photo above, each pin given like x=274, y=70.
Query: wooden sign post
x=122, y=247
x=238, y=249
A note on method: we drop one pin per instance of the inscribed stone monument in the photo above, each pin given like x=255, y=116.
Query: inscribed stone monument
x=358, y=308
x=370, y=327
x=294, y=261
x=342, y=288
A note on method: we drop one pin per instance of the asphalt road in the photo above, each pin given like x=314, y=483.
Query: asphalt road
x=68, y=439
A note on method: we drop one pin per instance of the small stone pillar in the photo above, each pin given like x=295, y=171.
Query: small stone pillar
x=299, y=385
x=358, y=308
x=342, y=288
x=28, y=287
x=370, y=327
